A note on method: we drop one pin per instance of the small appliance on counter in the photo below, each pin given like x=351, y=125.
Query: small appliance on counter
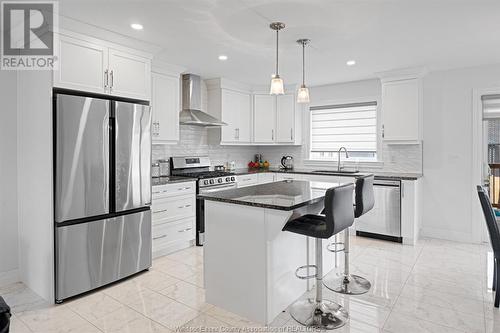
x=164, y=167
x=155, y=170
x=287, y=162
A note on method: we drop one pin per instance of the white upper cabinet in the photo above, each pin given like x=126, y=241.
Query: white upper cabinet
x=237, y=113
x=264, y=118
x=274, y=119
x=165, y=104
x=129, y=75
x=285, y=118
x=92, y=65
x=231, y=103
x=82, y=65
x=402, y=108
x=253, y=118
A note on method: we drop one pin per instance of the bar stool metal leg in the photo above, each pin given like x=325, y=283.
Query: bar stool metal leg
x=319, y=313
x=347, y=283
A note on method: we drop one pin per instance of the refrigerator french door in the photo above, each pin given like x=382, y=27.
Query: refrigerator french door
x=102, y=191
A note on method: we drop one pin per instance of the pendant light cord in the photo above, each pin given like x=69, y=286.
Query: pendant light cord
x=303, y=63
x=277, y=45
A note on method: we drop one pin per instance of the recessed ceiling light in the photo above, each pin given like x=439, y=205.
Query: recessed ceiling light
x=136, y=26
x=351, y=62
x=223, y=57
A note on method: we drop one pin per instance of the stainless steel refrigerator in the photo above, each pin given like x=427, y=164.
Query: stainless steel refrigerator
x=102, y=190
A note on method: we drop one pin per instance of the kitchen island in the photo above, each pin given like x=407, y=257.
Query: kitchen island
x=249, y=261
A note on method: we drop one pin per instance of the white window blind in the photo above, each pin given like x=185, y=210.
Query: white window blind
x=353, y=126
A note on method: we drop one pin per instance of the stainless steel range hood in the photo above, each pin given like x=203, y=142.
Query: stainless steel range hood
x=191, y=113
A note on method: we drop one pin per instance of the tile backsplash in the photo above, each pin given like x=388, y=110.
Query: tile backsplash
x=194, y=140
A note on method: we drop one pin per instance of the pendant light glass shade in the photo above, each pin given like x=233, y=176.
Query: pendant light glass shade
x=303, y=92
x=277, y=86
x=303, y=95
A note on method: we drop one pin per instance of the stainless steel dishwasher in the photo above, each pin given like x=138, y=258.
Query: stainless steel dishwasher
x=384, y=220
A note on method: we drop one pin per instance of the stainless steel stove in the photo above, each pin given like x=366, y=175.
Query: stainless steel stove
x=208, y=181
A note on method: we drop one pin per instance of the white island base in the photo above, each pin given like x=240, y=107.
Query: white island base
x=250, y=263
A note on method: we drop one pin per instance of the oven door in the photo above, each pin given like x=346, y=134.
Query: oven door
x=200, y=210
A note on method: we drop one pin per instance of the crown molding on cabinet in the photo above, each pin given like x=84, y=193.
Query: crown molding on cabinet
x=402, y=74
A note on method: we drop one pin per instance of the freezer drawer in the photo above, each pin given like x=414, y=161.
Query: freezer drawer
x=93, y=254
x=81, y=157
x=385, y=217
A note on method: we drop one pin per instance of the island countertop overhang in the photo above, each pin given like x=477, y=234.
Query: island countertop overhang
x=285, y=195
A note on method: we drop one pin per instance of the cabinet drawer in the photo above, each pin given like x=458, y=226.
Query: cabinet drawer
x=161, y=191
x=167, y=233
x=287, y=176
x=174, y=208
x=247, y=180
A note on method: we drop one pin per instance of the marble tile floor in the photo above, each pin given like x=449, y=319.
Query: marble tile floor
x=435, y=286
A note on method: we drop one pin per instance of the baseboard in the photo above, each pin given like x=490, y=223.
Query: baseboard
x=9, y=277
x=456, y=236
x=171, y=248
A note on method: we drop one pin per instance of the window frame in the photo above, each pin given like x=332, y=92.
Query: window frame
x=355, y=161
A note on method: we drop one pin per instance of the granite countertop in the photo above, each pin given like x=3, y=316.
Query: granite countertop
x=170, y=180
x=284, y=195
x=378, y=174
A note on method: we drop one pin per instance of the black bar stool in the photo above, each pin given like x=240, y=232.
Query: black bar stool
x=494, y=232
x=347, y=283
x=320, y=313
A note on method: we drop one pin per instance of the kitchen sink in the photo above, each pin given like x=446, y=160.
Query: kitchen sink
x=341, y=172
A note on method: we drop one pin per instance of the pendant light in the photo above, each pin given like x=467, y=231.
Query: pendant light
x=277, y=82
x=303, y=92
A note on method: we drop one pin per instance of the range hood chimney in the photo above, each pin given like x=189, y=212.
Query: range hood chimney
x=191, y=113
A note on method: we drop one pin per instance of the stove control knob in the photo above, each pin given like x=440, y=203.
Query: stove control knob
x=205, y=182
x=228, y=179
x=211, y=181
x=220, y=180
x=232, y=178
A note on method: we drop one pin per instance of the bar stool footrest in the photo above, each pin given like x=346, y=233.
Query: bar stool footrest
x=331, y=247
x=305, y=277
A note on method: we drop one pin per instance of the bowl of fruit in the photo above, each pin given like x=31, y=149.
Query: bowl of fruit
x=258, y=165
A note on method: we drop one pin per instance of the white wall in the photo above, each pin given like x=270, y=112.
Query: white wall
x=35, y=202
x=8, y=174
x=447, y=184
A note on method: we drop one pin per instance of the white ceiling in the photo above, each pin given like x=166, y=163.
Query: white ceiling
x=380, y=35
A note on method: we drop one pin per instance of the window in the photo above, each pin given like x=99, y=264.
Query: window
x=353, y=126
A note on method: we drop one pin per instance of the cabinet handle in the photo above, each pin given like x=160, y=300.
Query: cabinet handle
x=106, y=78
x=160, y=211
x=157, y=128
x=291, y=133
x=162, y=236
x=112, y=79
x=184, y=230
x=238, y=133
x=383, y=131
x=185, y=206
x=183, y=188
x=272, y=135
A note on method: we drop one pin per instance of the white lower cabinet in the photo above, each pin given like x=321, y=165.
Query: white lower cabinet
x=265, y=177
x=247, y=180
x=174, y=217
x=410, y=210
x=287, y=176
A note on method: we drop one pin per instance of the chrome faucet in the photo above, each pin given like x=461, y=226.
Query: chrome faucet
x=346, y=156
